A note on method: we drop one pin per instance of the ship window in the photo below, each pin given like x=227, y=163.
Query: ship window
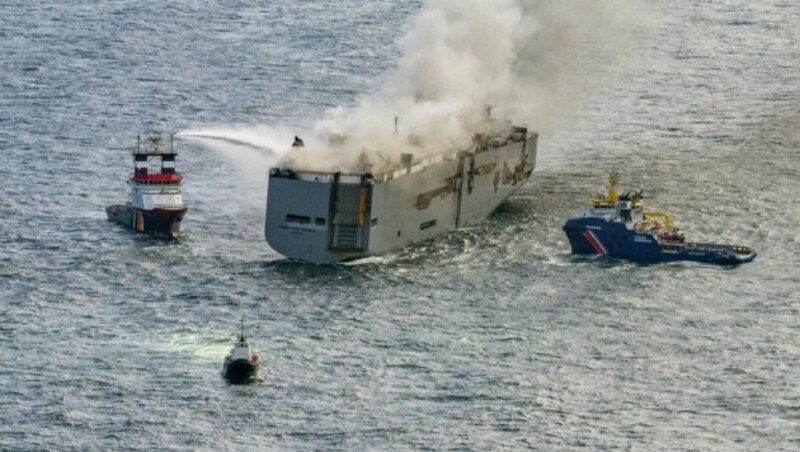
x=398, y=233
x=427, y=224
x=320, y=221
x=374, y=222
x=290, y=218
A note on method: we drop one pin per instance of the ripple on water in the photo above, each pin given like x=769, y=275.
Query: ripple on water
x=493, y=337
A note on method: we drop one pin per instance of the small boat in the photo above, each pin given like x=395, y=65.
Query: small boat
x=241, y=363
x=618, y=225
x=155, y=206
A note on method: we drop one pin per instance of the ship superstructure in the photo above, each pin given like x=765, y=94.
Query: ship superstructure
x=618, y=225
x=155, y=205
x=325, y=217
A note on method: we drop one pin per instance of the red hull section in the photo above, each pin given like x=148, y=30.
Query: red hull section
x=157, y=222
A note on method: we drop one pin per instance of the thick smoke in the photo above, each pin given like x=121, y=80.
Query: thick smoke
x=528, y=59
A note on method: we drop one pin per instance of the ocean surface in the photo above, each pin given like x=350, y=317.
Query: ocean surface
x=491, y=338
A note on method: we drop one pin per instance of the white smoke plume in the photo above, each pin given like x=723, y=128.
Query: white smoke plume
x=528, y=59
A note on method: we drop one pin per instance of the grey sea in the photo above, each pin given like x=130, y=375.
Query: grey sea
x=491, y=338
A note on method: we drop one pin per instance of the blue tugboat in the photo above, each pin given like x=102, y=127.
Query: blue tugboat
x=618, y=225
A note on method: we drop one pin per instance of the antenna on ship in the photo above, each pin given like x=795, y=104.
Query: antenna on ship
x=488, y=111
x=396, y=120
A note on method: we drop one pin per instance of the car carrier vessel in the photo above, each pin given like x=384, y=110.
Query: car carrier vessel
x=326, y=217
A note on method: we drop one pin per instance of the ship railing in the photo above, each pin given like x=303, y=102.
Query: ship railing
x=709, y=246
x=389, y=175
x=153, y=144
x=422, y=163
x=326, y=176
x=730, y=249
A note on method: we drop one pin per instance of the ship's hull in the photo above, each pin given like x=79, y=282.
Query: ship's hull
x=239, y=371
x=160, y=222
x=330, y=217
x=596, y=236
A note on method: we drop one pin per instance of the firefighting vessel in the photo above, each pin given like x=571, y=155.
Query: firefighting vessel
x=155, y=206
x=618, y=225
x=241, y=363
x=333, y=216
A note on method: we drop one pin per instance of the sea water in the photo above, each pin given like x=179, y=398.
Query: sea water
x=493, y=337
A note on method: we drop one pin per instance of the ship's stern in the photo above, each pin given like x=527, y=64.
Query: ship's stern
x=317, y=217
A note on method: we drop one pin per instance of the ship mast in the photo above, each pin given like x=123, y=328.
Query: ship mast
x=611, y=196
x=613, y=184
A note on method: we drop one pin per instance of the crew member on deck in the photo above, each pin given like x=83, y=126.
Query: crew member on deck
x=298, y=143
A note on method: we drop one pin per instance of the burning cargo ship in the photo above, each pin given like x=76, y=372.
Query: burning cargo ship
x=155, y=206
x=328, y=217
